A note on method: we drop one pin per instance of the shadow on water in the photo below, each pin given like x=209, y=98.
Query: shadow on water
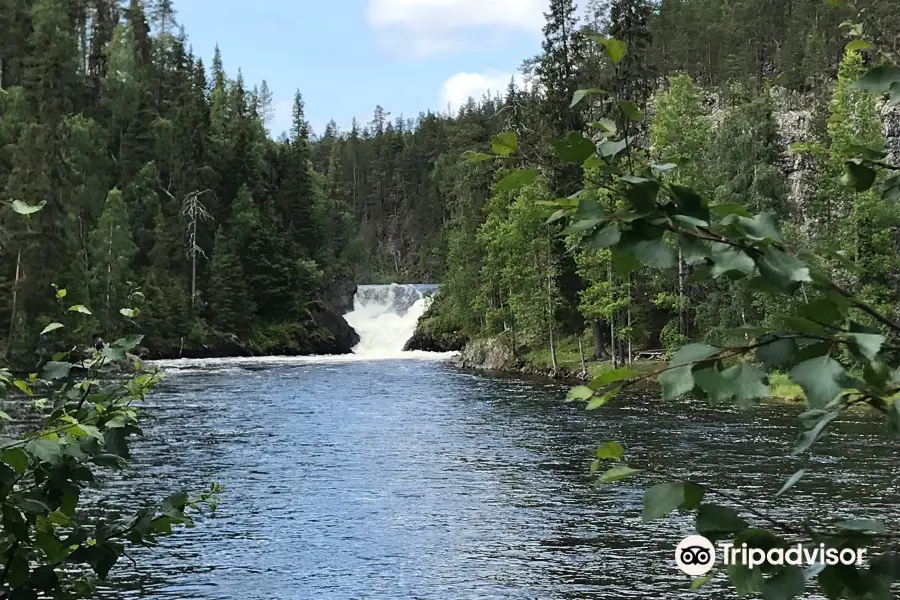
x=409, y=479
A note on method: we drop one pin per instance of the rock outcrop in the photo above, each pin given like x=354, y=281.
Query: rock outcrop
x=339, y=295
x=422, y=340
x=343, y=337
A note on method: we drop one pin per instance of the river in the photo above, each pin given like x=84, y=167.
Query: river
x=408, y=479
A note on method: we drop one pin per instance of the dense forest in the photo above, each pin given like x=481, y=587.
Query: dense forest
x=163, y=191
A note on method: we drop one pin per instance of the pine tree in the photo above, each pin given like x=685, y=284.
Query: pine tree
x=230, y=308
x=629, y=22
x=111, y=252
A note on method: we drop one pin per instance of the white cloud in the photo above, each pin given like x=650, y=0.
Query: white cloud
x=423, y=27
x=457, y=90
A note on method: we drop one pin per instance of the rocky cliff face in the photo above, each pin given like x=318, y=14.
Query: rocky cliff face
x=799, y=168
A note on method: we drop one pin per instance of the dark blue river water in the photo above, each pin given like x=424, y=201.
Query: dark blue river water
x=411, y=480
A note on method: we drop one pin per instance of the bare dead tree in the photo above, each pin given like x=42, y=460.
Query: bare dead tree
x=194, y=211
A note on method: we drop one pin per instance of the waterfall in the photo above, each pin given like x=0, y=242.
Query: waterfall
x=385, y=317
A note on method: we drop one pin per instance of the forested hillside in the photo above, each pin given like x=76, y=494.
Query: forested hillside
x=164, y=192
x=723, y=90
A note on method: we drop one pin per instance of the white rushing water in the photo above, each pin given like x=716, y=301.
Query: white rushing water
x=385, y=317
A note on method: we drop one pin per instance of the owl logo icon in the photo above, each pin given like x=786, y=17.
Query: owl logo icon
x=695, y=555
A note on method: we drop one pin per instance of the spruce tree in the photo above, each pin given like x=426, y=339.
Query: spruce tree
x=231, y=309
x=112, y=249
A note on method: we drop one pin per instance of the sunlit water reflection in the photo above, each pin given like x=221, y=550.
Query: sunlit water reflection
x=409, y=479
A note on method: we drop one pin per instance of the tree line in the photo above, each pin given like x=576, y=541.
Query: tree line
x=161, y=183
x=536, y=282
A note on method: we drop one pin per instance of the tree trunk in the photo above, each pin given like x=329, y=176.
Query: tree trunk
x=599, y=346
x=194, y=266
x=682, y=321
x=15, y=293
x=581, y=355
x=630, y=354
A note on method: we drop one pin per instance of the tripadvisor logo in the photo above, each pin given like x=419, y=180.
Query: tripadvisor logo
x=696, y=555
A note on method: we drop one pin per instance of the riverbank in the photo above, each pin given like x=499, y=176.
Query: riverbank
x=324, y=332
x=494, y=355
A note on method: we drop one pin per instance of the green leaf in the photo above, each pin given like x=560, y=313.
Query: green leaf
x=128, y=343
x=763, y=226
x=730, y=208
x=605, y=237
x=866, y=152
x=864, y=525
x=52, y=327
x=23, y=386
x=31, y=505
x=44, y=450
x=880, y=79
x=661, y=499
x=745, y=383
x=691, y=203
x=631, y=110
x=819, y=378
x=700, y=582
x=505, y=143
x=605, y=125
x=517, y=179
x=610, y=451
x=676, y=382
x=618, y=473
x=783, y=270
x=56, y=370
x=857, y=45
x=858, y=176
x=582, y=94
x=16, y=458
x=583, y=226
x=44, y=578
x=866, y=341
x=728, y=260
x=693, y=251
x=625, y=262
x=27, y=209
x=810, y=436
x=113, y=353
x=713, y=385
x=822, y=310
x=713, y=519
x=653, y=253
x=746, y=581
x=776, y=353
x=476, y=157
x=791, y=482
x=610, y=148
x=603, y=400
x=575, y=148
x=557, y=216
x=642, y=196
x=693, y=353
x=17, y=574
x=580, y=393
x=615, y=49
x=80, y=308
x=615, y=376
x=786, y=584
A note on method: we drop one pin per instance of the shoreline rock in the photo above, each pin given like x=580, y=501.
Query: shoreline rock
x=493, y=355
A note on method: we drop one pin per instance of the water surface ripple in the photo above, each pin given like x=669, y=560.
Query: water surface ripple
x=411, y=480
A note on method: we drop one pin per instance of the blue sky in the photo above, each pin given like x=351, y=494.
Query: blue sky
x=347, y=56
